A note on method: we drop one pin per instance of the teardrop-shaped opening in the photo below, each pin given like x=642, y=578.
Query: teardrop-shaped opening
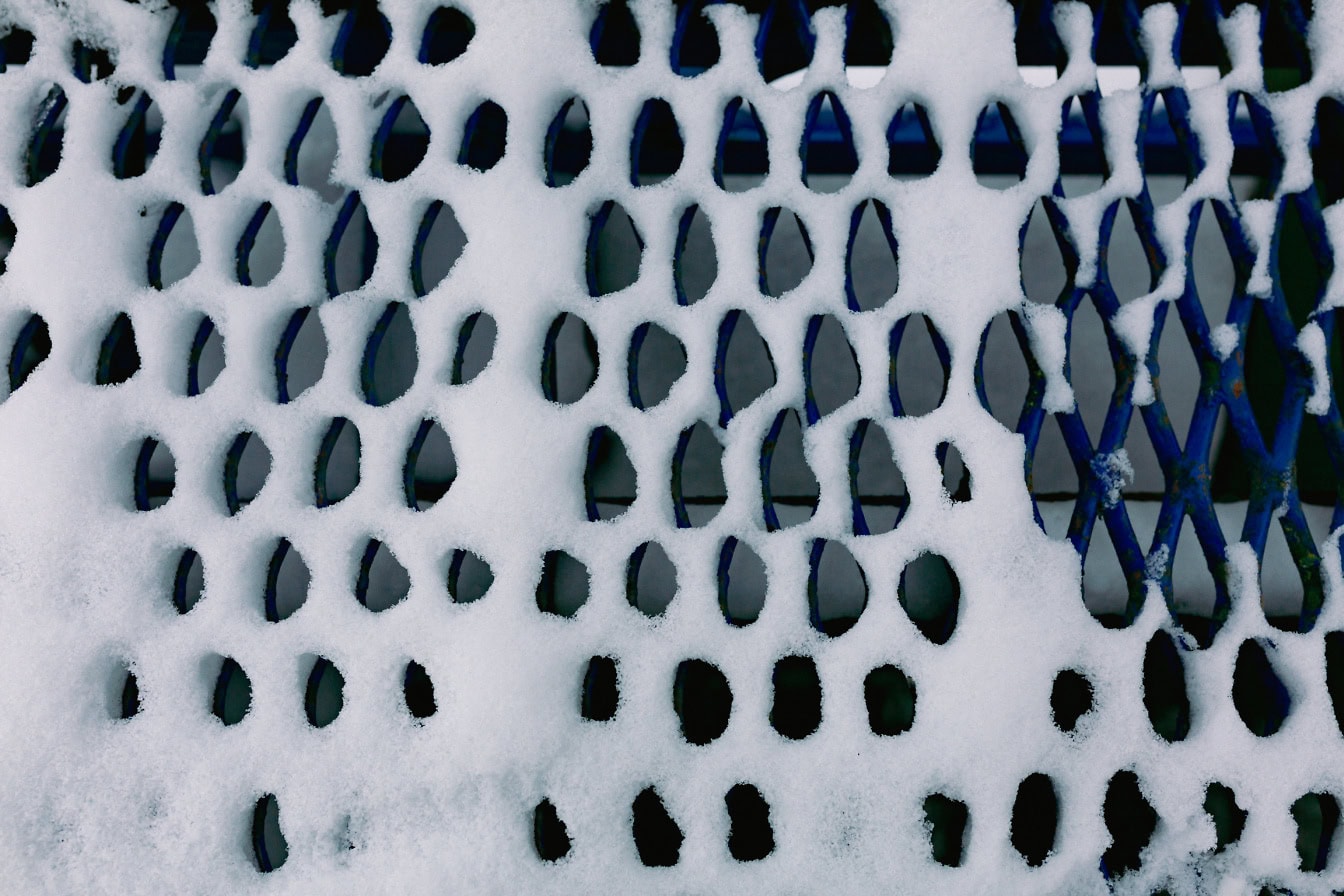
x=1130, y=820
x=188, y=581
x=16, y=47
x=868, y=38
x=550, y=837
x=698, y=489
x=233, y=693
x=128, y=703
x=650, y=579
x=1169, y=145
x=1125, y=262
x=789, y=489
x=92, y=63
x=784, y=41
x=795, y=711
x=830, y=370
x=837, y=589
x=400, y=143
x=138, y=140
x=615, y=250
x=439, y=243
x=1164, y=694
x=876, y=487
x=352, y=249
x=173, y=251
x=300, y=356
x=919, y=355
x=189, y=39
x=695, y=262
x=273, y=36
x=383, y=582
x=261, y=248
x=1003, y=374
x=872, y=275
x=205, y=360
x=569, y=143
x=1035, y=817
x=996, y=149
x=563, y=588
x=1317, y=818
x=362, y=42
x=912, y=147
x=118, y=358
x=448, y=33
x=702, y=700
x=1258, y=694
x=1326, y=146
x=742, y=159
x=750, y=835
x=956, y=474
x=155, y=475
x=475, y=347
x=785, y=251
x=1070, y=699
x=569, y=360
x=1044, y=275
x=324, y=696
x=310, y=156
x=31, y=348
x=827, y=153
x=614, y=37
x=947, y=820
x=600, y=695
x=223, y=150
x=469, y=577
x=609, y=484
x=695, y=41
x=390, y=356
x=656, y=144
x=742, y=583
x=417, y=689
x=656, y=361
x=247, y=465
x=657, y=837
x=889, y=695
x=484, y=137
x=8, y=234
x=1229, y=819
x=431, y=466
x=336, y=468
x=930, y=594
x=287, y=580
x=743, y=367
x=1284, y=56
x=268, y=841
x=47, y=138
x=1334, y=674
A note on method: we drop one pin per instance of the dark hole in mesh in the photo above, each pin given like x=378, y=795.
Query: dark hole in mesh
x=92, y=63
x=868, y=38
x=1317, y=817
x=742, y=160
x=656, y=145
x=475, y=347
x=439, y=243
x=698, y=489
x=947, y=820
x=1044, y=274
x=247, y=464
x=173, y=251
x=889, y=695
x=352, y=249
x=119, y=357
x=789, y=489
x=615, y=250
x=1007, y=389
x=702, y=700
x=1070, y=699
x=1325, y=150
x=323, y=698
x=876, y=487
x=8, y=234
x=362, y=42
x=609, y=482
x=1164, y=694
x=795, y=711
x=31, y=348
x=336, y=468
x=1130, y=820
x=614, y=37
x=129, y=704
x=418, y=691
x=390, y=356
x=483, y=137
x=650, y=579
x=401, y=142
x=469, y=577
x=695, y=42
x=1257, y=693
x=912, y=148
x=785, y=251
x=918, y=354
x=16, y=47
x=287, y=580
x=750, y=836
x=569, y=360
x=223, y=150
x=1229, y=819
x=47, y=137
x=300, y=355
x=261, y=248
x=1035, y=818
x=188, y=581
x=233, y=693
x=655, y=363
x=657, y=837
x=569, y=143
x=205, y=360
x=695, y=262
x=830, y=370
x=138, y=141
x=311, y=154
x=1284, y=56
x=273, y=36
x=743, y=367
x=1334, y=674
x=600, y=696
x=930, y=593
x=189, y=39
x=872, y=272
x=268, y=841
x=563, y=588
x=956, y=474
x=447, y=35
x=784, y=40
x=383, y=582
x=826, y=153
x=837, y=590
x=155, y=475
x=742, y=582
x=550, y=837
x=996, y=151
